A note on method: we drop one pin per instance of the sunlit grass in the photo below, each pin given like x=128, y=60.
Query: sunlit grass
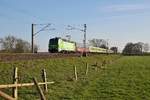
x=120, y=78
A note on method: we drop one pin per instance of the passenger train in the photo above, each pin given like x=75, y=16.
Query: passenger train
x=62, y=45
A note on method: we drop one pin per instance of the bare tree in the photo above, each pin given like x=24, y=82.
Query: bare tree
x=146, y=47
x=99, y=43
x=133, y=48
x=8, y=43
x=114, y=49
x=17, y=45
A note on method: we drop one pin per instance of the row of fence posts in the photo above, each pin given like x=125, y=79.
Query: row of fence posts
x=16, y=85
x=75, y=71
x=87, y=68
x=86, y=71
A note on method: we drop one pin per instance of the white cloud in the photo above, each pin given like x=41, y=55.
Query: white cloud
x=124, y=8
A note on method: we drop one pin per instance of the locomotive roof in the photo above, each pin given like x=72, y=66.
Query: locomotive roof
x=63, y=39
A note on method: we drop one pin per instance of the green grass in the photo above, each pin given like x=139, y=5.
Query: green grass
x=125, y=78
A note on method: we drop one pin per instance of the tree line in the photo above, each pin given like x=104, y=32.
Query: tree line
x=102, y=43
x=129, y=49
x=11, y=44
x=135, y=48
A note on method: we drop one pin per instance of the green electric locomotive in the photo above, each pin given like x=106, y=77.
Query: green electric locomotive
x=61, y=45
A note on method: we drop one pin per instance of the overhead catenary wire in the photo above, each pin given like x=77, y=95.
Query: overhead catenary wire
x=35, y=33
x=41, y=29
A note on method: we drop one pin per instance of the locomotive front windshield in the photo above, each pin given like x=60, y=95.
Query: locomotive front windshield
x=53, y=45
x=53, y=41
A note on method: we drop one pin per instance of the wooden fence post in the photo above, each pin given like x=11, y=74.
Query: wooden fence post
x=75, y=73
x=45, y=80
x=15, y=81
x=87, y=69
x=6, y=96
x=39, y=89
x=15, y=86
x=96, y=65
x=23, y=85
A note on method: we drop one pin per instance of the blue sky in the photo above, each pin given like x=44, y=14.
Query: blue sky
x=120, y=21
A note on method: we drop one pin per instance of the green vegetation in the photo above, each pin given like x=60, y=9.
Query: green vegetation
x=126, y=79
x=120, y=77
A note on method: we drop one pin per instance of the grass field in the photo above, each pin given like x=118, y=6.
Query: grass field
x=121, y=78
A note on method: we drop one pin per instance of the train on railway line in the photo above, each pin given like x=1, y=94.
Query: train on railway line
x=60, y=45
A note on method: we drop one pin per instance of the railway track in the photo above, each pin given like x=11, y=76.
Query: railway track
x=30, y=56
